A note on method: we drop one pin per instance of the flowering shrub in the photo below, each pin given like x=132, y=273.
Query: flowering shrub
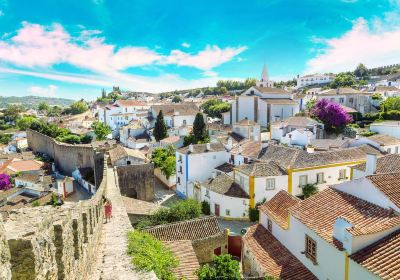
x=5, y=182
x=331, y=114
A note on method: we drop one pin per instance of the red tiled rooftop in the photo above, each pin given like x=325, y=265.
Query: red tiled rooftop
x=188, y=263
x=273, y=257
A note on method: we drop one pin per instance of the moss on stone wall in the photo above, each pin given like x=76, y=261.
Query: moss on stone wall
x=22, y=259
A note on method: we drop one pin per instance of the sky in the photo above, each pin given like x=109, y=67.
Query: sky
x=74, y=48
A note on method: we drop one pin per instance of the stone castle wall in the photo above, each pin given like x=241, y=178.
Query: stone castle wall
x=52, y=242
x=204, y=248
x=137, y=181
x=67, y=157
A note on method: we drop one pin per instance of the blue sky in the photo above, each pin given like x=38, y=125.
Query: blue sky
x=74, y=48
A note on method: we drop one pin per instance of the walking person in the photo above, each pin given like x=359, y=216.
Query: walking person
x=108, y=210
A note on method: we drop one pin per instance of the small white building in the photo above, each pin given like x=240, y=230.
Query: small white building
x=314, y=79
x=197, y=163
x=247, y=129
x=120, y=156
x=391, y=128
x=176, y=115
x=226, y=197
x=384, y=143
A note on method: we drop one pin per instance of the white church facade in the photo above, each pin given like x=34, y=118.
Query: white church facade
x=263, y=103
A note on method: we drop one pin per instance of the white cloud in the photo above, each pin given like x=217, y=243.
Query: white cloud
x=36, y=45
x=374, y=46
x=185, y=45
x=43, y=91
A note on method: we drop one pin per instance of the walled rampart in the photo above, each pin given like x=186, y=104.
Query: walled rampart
x=52, y=242
x=67, y=157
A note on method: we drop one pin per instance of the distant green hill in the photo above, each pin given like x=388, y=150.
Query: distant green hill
x=33, y=101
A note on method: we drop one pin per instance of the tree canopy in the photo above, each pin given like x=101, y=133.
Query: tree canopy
x=331, y=114
x=77, y=107
x=164, y=158
x=215, y=107
x=160, y=129
x=176, y=99
x=101, y=130
x=25, y=122
x=343, y=80
x=43, y=107
x=361, y=71
x=222, y=267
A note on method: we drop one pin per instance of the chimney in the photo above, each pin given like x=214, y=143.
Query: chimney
x=310, y=149
x=370, y=164
x=191, y=148
x=357, y=136
x=240, y=149
x=208, y=146
x=230, y=143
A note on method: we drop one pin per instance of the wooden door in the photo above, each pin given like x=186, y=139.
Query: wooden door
x=216, y=210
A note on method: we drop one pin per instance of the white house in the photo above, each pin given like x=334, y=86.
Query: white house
x=226, y=197
x=176, y=115
x=248, y=129
x=120, y=156
x=391, y=128
x=347, y=231
x=297, y=131
x=384, y=143
x=314, y=79
x=197, y=163
x=122, y=112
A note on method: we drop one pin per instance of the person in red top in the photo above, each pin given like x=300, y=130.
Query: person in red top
x=108, y=210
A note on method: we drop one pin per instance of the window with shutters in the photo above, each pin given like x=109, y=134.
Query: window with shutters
x=270, y=184
x=311, y=249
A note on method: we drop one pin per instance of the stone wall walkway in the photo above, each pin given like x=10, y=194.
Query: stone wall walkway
x=113, y=263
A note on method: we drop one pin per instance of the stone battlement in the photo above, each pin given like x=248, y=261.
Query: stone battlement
x=52, y=242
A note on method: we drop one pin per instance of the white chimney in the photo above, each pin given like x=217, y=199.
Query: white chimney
x=310, y=149
x=191, y=148
x=357, y=136
x=208, y=146
x=371, y=164
x=230, y=143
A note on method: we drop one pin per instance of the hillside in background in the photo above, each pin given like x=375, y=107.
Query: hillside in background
x=33, y=101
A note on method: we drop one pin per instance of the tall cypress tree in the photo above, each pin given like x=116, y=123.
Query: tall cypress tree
x=160, y=129
x=199, y=128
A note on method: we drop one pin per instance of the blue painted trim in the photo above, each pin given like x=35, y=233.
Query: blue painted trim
x=181, y=195
x=187, y=168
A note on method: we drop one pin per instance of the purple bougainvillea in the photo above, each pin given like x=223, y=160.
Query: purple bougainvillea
x=5, y=183
x=331, y=114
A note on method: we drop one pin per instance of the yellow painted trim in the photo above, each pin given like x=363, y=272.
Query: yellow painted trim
x=288, y=221
x=290, y=180
x=251, y=191
x=235, y=219
x=346, y=266
x=351, y=173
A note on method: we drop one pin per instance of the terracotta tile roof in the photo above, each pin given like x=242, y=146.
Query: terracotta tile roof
x=382, y=258
x=120, y=152
x=183, y=109
x=330, y=144
x=7, y=193
x=261, y=169
x=130, y=103
x=386, y=164
x=18, y=165
x=277, y=207
x=194, y=229
x=225, y=167
x=273, y=257
x=320, y=211
x=202, y=148
x=224, y=184
x=283, y=156
x=386, y=88
x=188, y=263
x=389, y=184
x=248, y=148
x=271, y=90
x=280, y=101
x=171, y=139
x=342, y=91
x=384, y=140
x=299, y=121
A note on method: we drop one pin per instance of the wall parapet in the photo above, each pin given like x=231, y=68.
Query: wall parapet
x=49, y=242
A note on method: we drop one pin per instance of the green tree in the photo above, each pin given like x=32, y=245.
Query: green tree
x=223, y=90
x=12, y=112
x=223, y=267
x=149, y=254
x=361, y=71
x=5, y=138
x=391, y=103
x=54, y=111
x=101, y=130
x=160, y=129
x=25, y=122
x=309, y=190
x=43, y=107
x=199, y=128
x=215, y=107
x=164, y=158
x=103, y=93
x=343, y=80
x=176, y=99
x=77, y=107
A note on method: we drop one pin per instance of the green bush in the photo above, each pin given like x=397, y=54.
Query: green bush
x=254, y=214
x=164, y=158
x=149, y=254
x=222, y=267
x=367, y=133
x=179, y=211
x=205, y=207
x=309, y=190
